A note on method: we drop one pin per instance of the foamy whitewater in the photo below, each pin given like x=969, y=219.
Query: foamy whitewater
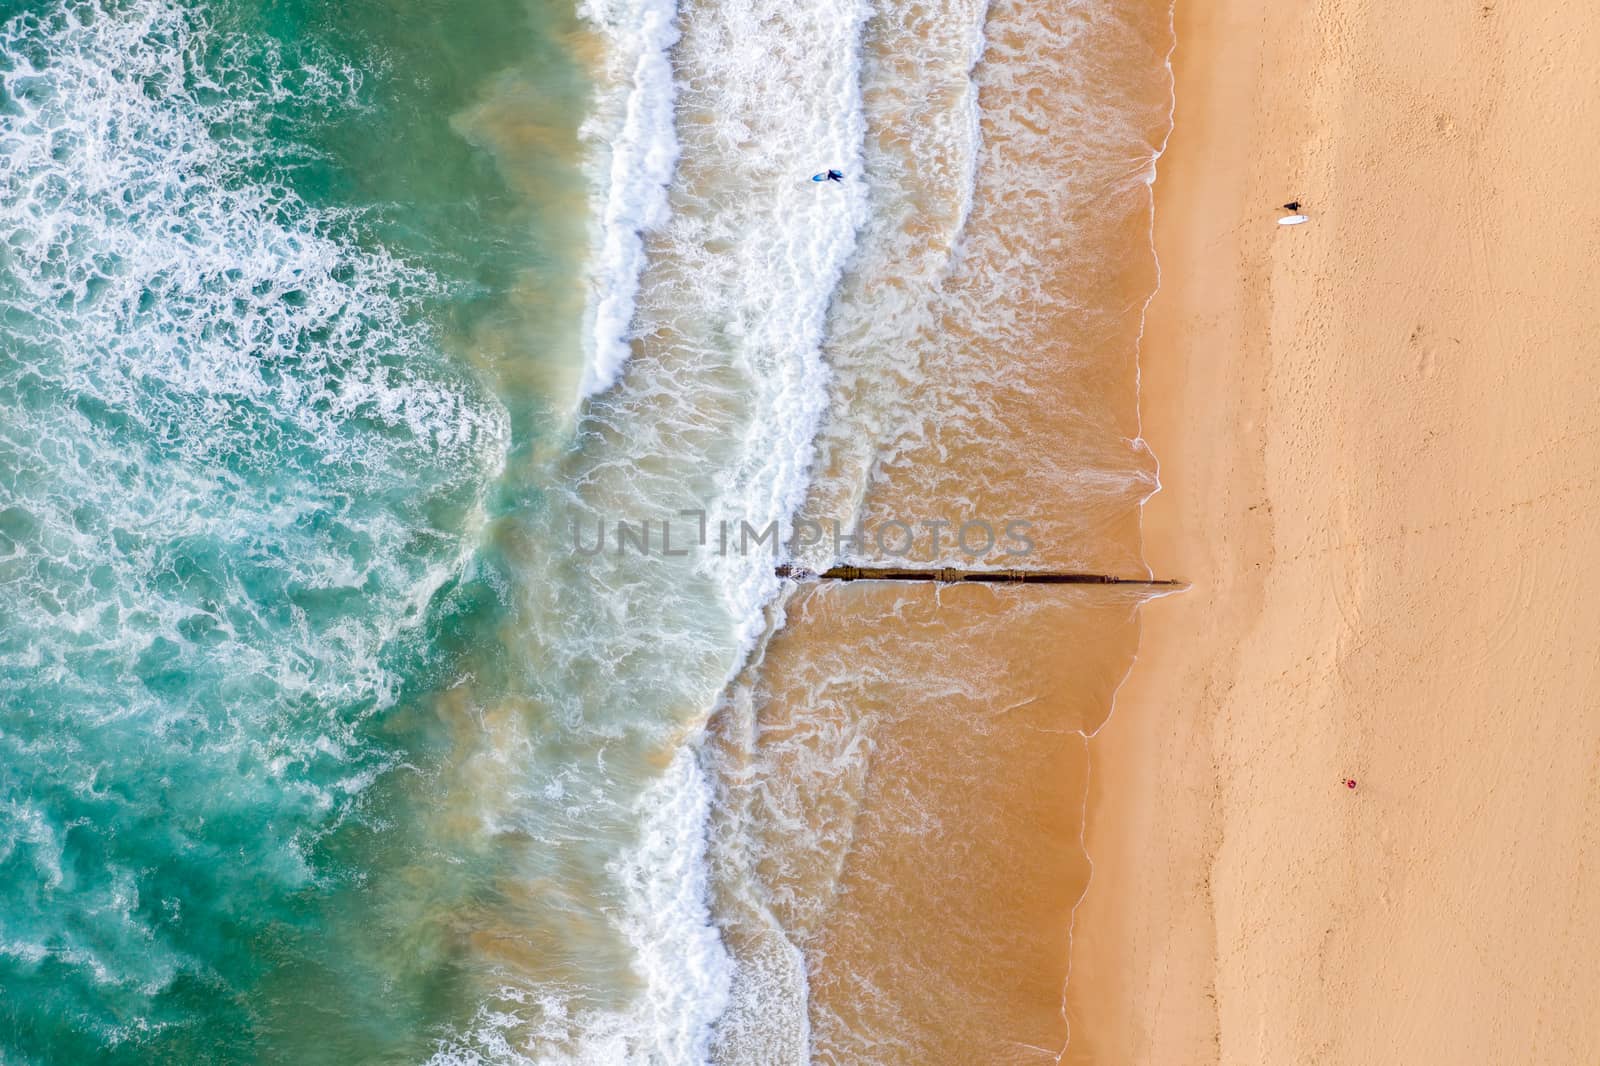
x=342, y=721
x=633, y=149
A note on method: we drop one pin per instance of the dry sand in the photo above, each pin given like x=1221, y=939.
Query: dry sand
x=1379, y=438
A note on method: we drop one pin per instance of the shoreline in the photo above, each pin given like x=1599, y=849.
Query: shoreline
x=1128, y=955
x=1077, y=1003
x=1355, y=419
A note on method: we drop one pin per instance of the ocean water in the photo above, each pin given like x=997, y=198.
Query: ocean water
x=335, y=337
x=250, y=440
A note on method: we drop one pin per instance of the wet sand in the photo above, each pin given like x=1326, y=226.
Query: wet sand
x=903, y=792
x=1378, y=433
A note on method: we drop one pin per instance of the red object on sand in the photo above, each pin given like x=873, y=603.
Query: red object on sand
x=1349, y=782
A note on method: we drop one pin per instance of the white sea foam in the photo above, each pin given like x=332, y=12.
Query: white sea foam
x=682, y=960
x=741, y=280
x=756, y=250
x=715, y=407
x=679, y=961
x=632, y=148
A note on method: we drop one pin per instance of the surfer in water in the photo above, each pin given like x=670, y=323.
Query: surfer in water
x=831, y=175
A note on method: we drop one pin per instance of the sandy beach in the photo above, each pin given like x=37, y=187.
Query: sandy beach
x=1377, y=433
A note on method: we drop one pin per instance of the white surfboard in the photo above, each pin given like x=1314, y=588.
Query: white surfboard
x=1292, y=220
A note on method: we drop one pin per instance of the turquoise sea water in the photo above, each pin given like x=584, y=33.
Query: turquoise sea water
x=276, y=285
